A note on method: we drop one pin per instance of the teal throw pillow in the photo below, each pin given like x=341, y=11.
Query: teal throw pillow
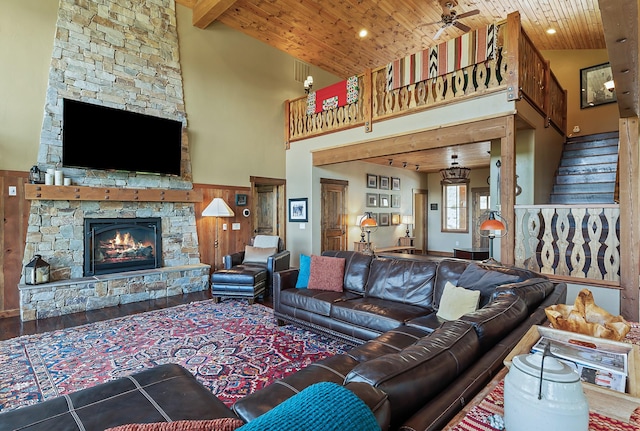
x=304, y=272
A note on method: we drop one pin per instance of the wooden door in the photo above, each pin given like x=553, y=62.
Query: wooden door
x=420, y=220
x=481, y=202
x=269, y=210
x=334, y=214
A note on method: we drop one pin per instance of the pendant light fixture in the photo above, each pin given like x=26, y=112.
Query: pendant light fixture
x=455, y=174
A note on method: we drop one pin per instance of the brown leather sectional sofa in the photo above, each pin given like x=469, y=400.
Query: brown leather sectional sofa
x=413, y=369
x=429, y=368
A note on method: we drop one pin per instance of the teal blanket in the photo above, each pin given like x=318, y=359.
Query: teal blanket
x=320, y=407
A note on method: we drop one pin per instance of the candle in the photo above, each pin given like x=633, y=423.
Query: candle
x=58, y=178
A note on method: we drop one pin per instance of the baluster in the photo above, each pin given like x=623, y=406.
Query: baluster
x=449, y=79
x=403, y=99
x=611, y=254
x=547, y=256
x=481, y=77
x=388, y=102
x=533, y=229
x=520, y=250
x=578, y=257
x=458, y=79
x=413, y=97
x=439, y=89
x=594, y=227
x=562, y=230
x=421, y=93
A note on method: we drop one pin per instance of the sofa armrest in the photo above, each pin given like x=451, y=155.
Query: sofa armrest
x=233, y=259
x=283, y=280
x=278, y=262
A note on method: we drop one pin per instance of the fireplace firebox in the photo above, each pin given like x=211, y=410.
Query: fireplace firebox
x=116, y=245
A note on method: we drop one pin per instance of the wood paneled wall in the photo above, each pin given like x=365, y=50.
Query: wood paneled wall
x=14, y=212
x=229, y=241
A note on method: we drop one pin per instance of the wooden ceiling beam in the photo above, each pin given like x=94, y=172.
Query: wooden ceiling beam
x=207, y=11
x=459, y=134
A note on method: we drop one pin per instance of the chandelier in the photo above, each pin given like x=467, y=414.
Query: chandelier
x=455, y=174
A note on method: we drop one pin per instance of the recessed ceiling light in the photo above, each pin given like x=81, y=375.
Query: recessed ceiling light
x=551, y=31
x=363, y=33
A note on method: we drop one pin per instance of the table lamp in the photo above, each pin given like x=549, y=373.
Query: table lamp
x=408, y=220
x=493, y=225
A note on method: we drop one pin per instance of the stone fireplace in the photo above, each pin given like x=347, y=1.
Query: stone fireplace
x=123, y=55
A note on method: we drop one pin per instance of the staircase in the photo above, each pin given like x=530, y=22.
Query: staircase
x=587, y=171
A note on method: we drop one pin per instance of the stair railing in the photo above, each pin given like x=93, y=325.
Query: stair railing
x=575, y=241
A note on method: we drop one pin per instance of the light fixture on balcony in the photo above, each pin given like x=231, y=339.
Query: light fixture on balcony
x=455, y=174
x=308, y=84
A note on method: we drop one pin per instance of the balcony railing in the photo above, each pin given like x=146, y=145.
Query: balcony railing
x=581, y=242
x=517, y=68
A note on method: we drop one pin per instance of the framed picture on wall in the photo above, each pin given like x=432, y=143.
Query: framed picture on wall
x=298, y=210
x=395, y=201
x=383, y=219
x=395, y=219
x=596, y=86
x=372, y=199
x=384, y=183
x=384, y=201
x=372, y=181
x=395, y=183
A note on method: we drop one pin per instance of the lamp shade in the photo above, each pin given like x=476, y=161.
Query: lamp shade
x=218, y=208
x=492, y=224
x=368, y=222
x=407, y=219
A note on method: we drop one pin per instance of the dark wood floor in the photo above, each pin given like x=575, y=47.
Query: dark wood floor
x=11, y=327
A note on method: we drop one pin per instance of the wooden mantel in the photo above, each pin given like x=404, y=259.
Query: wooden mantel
x=86, y=193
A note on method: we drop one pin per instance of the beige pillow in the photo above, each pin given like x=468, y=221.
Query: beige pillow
x=457, y=301
x=258, y=254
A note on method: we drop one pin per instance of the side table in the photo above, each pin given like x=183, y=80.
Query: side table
x=471, y=253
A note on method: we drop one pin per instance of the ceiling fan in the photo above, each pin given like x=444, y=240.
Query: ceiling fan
x=450, y=17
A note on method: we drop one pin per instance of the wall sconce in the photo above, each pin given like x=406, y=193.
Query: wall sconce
x=308, y=84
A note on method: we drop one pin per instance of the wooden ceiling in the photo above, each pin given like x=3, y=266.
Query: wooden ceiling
x=324, y=33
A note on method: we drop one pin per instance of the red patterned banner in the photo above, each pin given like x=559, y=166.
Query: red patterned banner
x=339, y=94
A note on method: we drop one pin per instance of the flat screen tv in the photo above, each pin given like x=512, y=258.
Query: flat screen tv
x=99, y=137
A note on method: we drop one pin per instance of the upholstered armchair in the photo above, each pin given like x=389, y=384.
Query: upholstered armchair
x=266, y=251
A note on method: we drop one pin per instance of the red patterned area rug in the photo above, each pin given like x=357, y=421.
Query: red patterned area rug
x=233, y=348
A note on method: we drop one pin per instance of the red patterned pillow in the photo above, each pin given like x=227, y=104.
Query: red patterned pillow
x=326, y=273
x=221, y=424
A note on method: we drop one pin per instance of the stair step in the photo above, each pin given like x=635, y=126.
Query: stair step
x=582, y=198
x=598, y=137
x=586, y=178
x=591, y=160
x=609, y=168
x=592, y=187
x=590, y=152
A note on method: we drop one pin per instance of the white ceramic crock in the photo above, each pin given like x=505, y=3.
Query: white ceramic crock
x=563, y=405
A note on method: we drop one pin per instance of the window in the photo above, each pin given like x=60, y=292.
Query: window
x=454, y=208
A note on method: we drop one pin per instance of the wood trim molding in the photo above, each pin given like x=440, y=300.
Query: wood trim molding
x=85, y=193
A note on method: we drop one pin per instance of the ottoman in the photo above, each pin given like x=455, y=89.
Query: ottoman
x=240, y=281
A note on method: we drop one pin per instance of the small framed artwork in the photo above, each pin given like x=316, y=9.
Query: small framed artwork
x=596, y=86
x=372, y=181
x=298, y=211
x=241, y=200
x=383, y=219
x=395, y=183
x=395, y=201
x=372, y=199
x=395, y=219
x=384, y=183
x=384, y=201
x=434, y=207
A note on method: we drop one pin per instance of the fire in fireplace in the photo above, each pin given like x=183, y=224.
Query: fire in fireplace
x=116, y=245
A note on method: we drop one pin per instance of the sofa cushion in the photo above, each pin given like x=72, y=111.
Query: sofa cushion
x=484, y=280
x=356, y=269
x=258, y=254
x=326, y=273
x=304, y=272
x=457, y=301
x=498, y=318
x=266, y=241
x=405, y=281
x=419, y=372
x=315, y=301
x=378, y=314
x=532, y=291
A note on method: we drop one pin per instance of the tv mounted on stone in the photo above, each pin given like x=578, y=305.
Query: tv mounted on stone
x=104, y=138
